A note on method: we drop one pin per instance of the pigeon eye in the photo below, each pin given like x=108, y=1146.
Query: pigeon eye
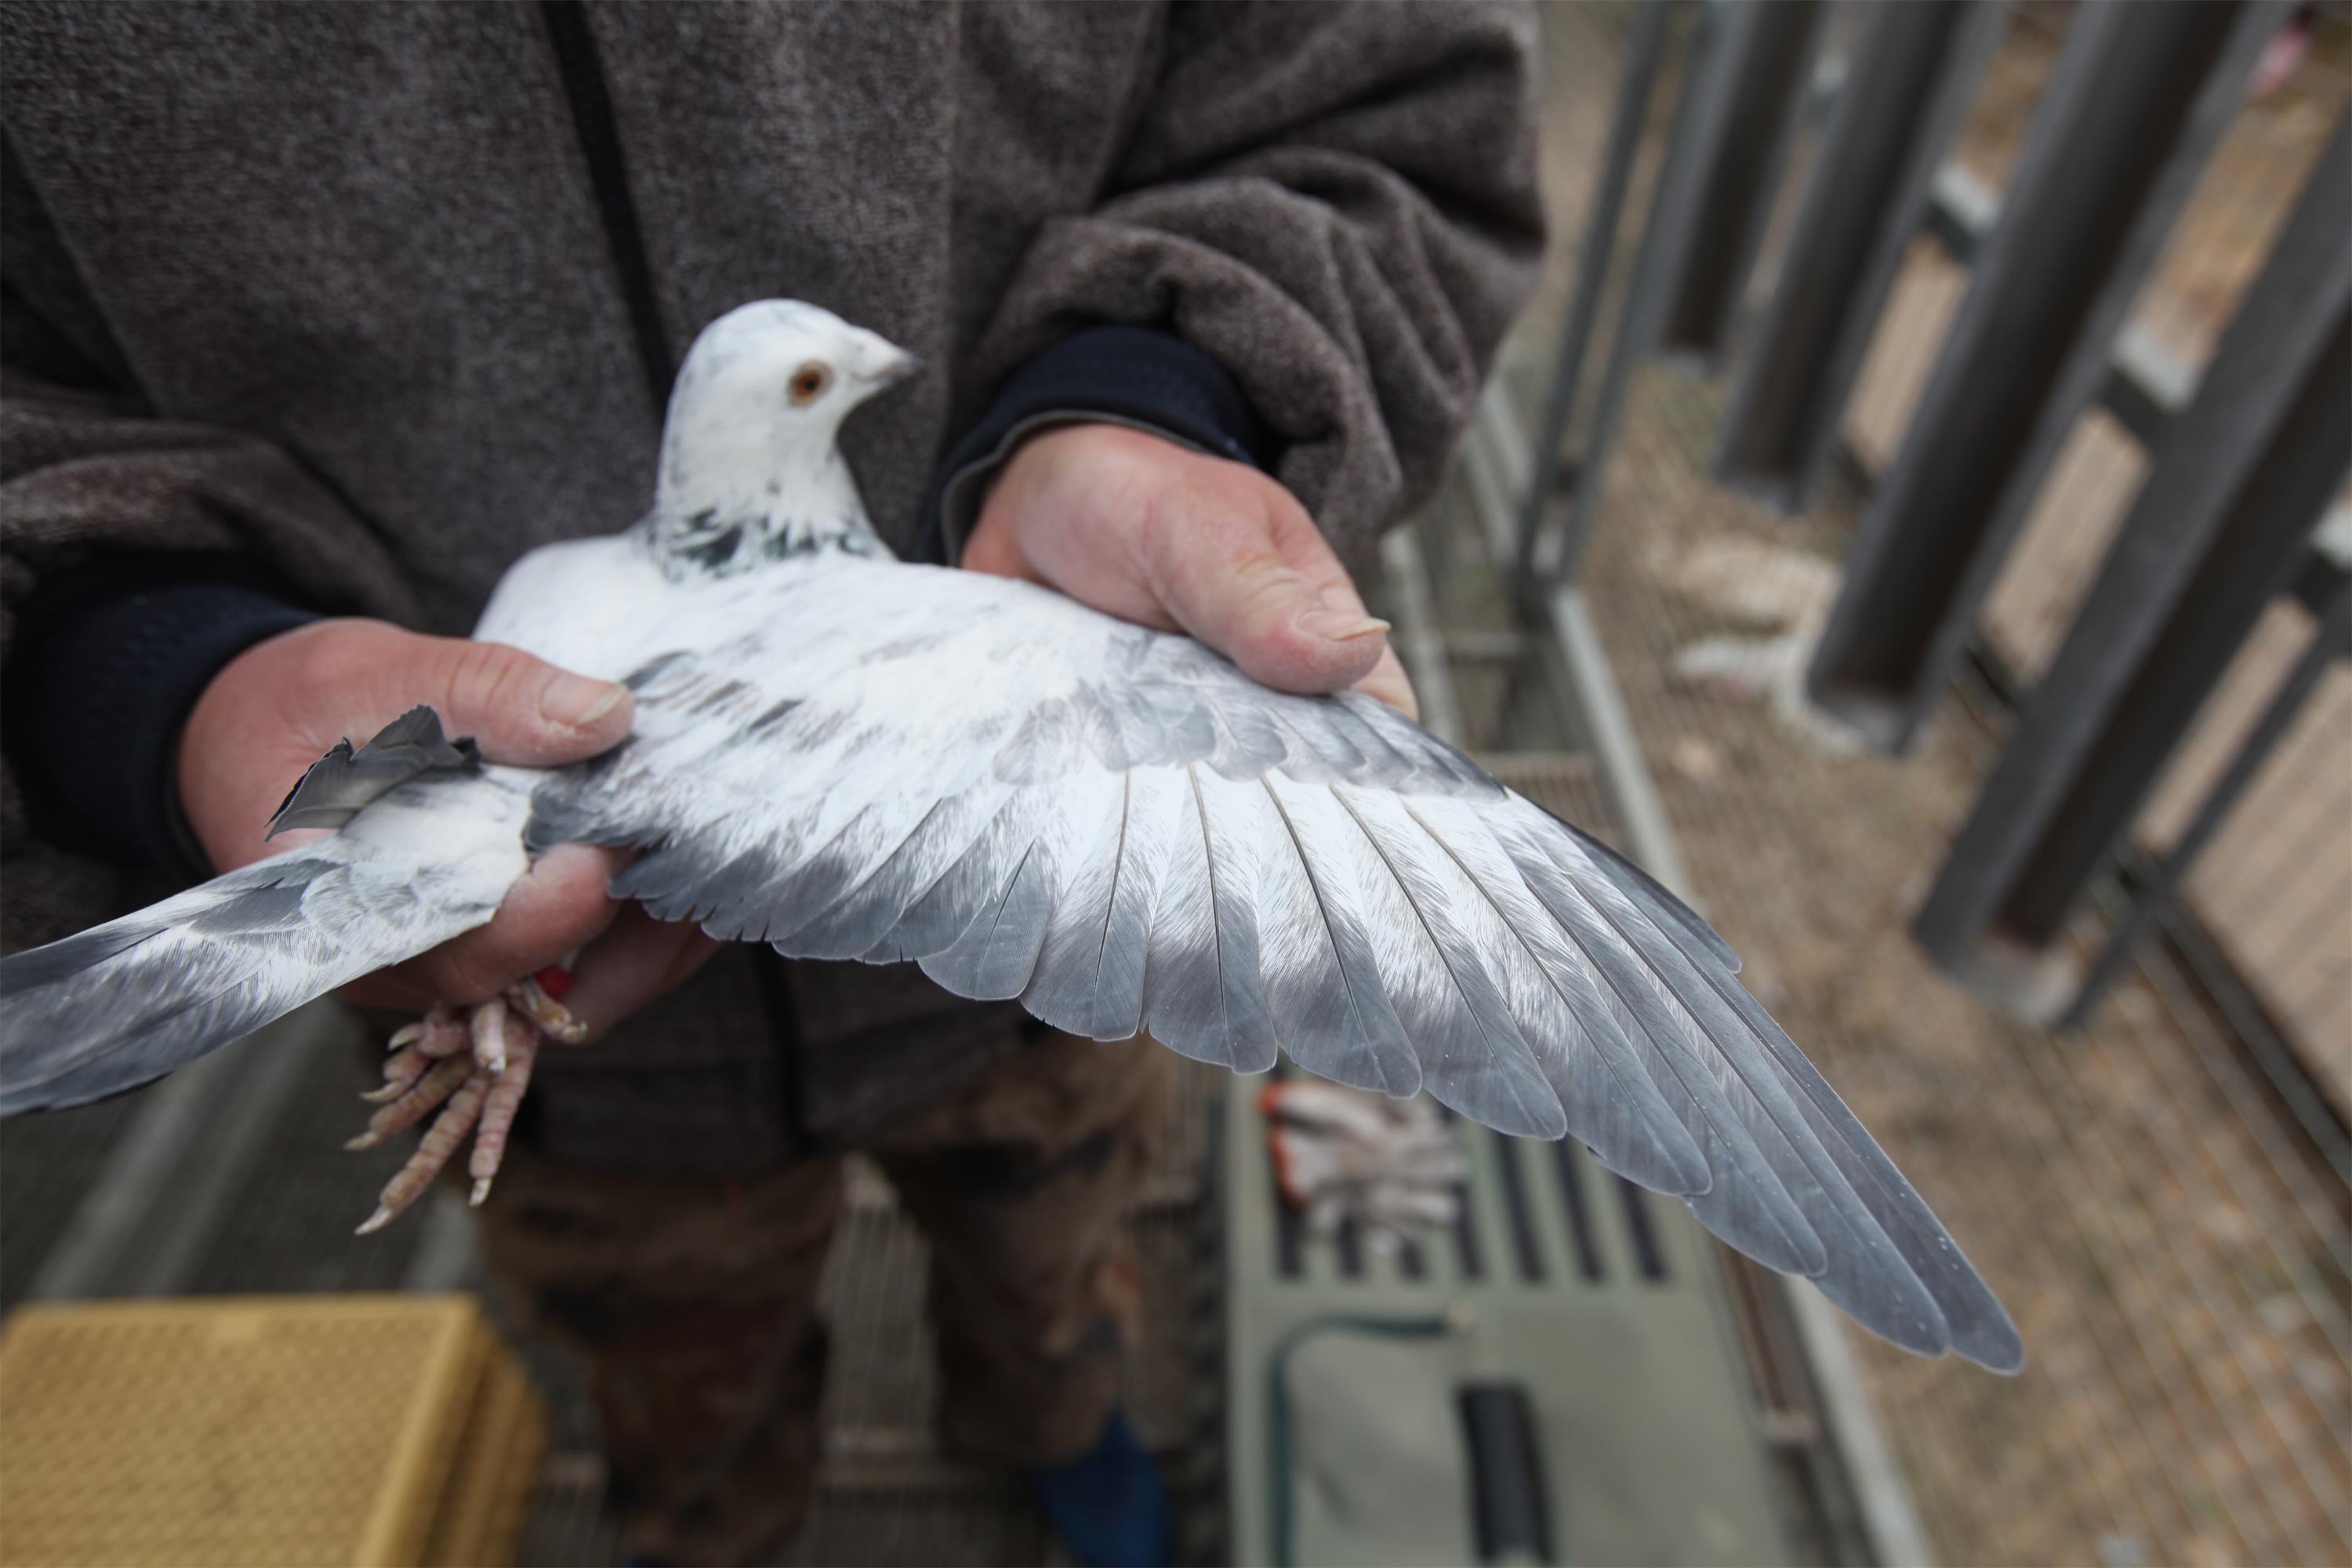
x=808, y=383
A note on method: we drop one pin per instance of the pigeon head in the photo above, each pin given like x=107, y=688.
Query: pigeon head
x=749, y=467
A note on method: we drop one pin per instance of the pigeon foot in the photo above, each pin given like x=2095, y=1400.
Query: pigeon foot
x=473, y=1066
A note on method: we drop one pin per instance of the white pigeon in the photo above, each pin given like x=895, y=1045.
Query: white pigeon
x=848, y=757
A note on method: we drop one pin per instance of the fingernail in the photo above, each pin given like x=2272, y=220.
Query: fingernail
x=578, y=701
x=1341, y=625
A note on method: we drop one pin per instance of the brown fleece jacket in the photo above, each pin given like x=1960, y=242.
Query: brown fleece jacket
x=385, y=295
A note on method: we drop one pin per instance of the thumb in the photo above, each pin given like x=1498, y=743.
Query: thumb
x=1260, y=584
x=520, y=708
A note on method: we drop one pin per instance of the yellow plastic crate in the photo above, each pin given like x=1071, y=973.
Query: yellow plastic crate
x=301, y=1430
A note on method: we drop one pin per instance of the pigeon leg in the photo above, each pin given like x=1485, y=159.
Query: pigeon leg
x=473, y=1066
x=438, y=1034
x=425, y=1095
x=488, y=1027
x=432, y=1152
x=540, y=999
x=498, y=1110
x=401, y=1070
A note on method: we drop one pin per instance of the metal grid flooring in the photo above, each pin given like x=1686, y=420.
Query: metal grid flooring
x=2173, y=1241
x=229, y=1179
x=1550, y=1258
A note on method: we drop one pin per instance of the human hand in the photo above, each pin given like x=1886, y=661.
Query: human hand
x=276, y=707
x=1140, y=528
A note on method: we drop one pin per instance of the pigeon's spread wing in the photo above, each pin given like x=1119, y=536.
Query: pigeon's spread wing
x=125, y=1002
x=1119, y=829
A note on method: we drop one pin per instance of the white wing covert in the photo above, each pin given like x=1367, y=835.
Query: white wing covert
x=1119, y=829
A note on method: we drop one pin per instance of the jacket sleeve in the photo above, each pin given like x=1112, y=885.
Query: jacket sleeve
x=1338, y=204
x=137, y=556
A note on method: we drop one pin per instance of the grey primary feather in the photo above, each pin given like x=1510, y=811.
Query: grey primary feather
x=996, y=956
x=1605, y=1092
x=1865, y=1272
x=976, y=879
x=1662, y=904
x=1473, y=1056
x=1202, y=994
x=1089, y=975
x=873, y=900
x=1330, y=1005
x=1980, y=1329
x=1745, y=1203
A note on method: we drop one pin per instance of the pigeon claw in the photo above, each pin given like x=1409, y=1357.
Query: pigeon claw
x=471, y=1067
x=540, y=998
x=488, y=1028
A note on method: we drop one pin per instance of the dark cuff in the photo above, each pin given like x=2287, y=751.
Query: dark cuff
x=108, y=661
x=1151, y=380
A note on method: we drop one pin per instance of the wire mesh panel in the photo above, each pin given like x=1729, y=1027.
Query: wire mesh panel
x=2172, y=1228
x=2173, y=1249
x=2285, y=845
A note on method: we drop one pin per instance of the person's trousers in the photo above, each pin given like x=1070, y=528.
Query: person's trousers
x=694, y=1301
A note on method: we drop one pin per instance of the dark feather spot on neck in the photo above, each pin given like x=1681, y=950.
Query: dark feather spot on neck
x=717, y=551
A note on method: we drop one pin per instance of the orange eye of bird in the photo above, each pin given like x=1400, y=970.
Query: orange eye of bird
x=808, y=383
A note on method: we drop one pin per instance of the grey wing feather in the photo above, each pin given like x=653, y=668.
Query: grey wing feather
x=125, y=1002
x=343, y=782
x=1745, y=1203
x=1663, y=905
x=1330, y=1006
x=1980, y=1329
x=1117, y=828
x=1473, y=1055
x=1610, y=1103
x=1090, y=976
x=997, y=954
x=875, y=903
x=1890, y=1263
x=1204, y=993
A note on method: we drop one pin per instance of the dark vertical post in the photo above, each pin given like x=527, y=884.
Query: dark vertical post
x=2140, y=97
x=2217, y=530
x=1756, y=81
x=2330, y=642
x=1913, y=71
x=1665, y=239
x=1636, y=84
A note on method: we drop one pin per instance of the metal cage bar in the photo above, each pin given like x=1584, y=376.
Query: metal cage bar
x=2141, y=96
x=1665, y=240
x=1637, y=81
x=1753, y=87
x=1914, y=70
x=2332, y=641
x=2219, y=529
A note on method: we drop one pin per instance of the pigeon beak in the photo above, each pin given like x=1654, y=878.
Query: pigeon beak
x=906, y=367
